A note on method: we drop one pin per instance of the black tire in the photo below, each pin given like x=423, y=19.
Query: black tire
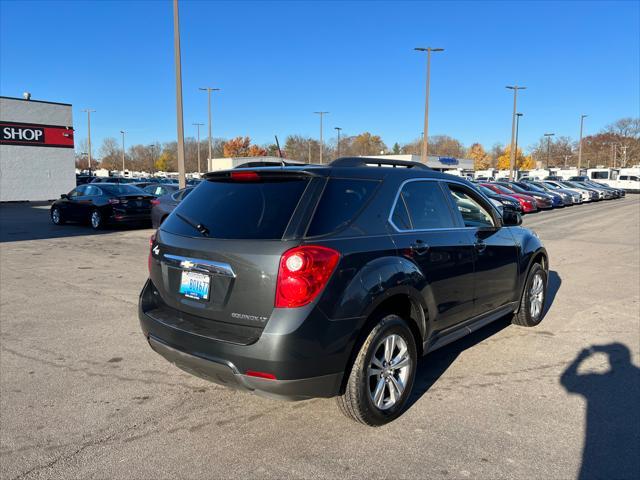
x=56, y=216
x=525, y=316
x=96, y=220
x=357, y=402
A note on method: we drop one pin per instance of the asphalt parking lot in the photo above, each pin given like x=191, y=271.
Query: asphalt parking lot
x=83, y=396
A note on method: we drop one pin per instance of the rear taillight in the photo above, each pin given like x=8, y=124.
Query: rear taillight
x=152, y=240
x=155, y=201
x=303, y=273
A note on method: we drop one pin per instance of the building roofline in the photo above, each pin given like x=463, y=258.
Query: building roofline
x=36, y=101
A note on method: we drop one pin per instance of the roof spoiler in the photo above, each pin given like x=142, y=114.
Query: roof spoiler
x=376, y=162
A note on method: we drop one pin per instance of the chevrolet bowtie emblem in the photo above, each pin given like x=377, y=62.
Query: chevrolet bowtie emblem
x=187, y=264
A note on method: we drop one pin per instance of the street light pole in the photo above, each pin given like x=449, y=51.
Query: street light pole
x=89, y=134
x=338, y=129
x=425, y=141
x=198, y=127
x=548, y=135
x=182, y=180
x=512, y=153
x=209, y=90
x=582, y=117
x=321, y=144
x=122, y=132
x=518, y=115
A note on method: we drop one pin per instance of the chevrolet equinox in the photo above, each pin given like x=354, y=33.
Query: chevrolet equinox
x=331, y=280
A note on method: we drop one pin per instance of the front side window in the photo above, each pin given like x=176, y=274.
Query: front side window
x=600, y=175
x=421, y=206
x=472, y=212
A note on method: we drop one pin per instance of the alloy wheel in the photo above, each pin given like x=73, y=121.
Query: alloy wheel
x=96, y=219
x=55, y=216
x=536, y=296
x=389, y=371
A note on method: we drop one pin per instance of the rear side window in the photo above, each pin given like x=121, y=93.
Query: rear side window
x=420, y=206
x=238, y=210
x=341, y=201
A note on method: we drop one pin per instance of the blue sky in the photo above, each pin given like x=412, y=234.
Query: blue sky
x=277, y=62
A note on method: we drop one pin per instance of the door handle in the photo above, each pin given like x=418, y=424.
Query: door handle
x=480, y=246
x=419, y=247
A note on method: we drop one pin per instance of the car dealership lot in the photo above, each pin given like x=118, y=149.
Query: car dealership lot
x=82, y=395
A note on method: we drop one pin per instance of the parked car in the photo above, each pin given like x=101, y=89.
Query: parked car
x=503, y=200
x=528, y=203
x=557, y=199
x=103, y=204
x=594, y=195
x=617, y=192
x=603, y=193
x=544, y=201
x=323, y=281
x=575, y=197
x=162, y=206
x=585, y=194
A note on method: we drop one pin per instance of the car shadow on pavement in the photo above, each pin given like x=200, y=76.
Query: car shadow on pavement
x=32, y=221
x=612, y=429
x=433, y=365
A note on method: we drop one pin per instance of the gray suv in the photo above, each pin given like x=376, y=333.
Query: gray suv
x=330, y=281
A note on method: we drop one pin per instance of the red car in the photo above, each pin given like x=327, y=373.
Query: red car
x=528, y=203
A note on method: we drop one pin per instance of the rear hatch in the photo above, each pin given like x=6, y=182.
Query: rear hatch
x=217, y=255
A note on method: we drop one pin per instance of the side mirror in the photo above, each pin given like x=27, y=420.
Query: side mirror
x=511, y=218
x=64, y=196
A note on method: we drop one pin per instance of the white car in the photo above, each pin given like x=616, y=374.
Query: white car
x=584, y=194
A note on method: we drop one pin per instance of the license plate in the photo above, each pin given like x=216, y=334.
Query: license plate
x=195, y=285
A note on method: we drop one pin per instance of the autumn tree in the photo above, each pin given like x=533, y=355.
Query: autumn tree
x=256, y=151
x=362, y=144
x=522, y=162
x=445, y=146
x=110, y=154
x=481, y=160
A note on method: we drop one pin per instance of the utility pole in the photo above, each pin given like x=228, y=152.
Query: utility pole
x=512, y=155
x=122, y=132
x=182, y=180
x=548, y=135
x=624, y=155
x=518, y=115
x=309, y=151
x=582, y=117
x=198, y=127
x=89, y=134
x=338, y=129
x=321, y=144
x=210, y=159
x=425, y=141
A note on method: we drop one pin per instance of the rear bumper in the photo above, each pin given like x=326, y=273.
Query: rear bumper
x=130, y=218
x=225, y=373
x=307, y=355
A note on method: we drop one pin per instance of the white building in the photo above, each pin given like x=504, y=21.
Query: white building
x=36, y=150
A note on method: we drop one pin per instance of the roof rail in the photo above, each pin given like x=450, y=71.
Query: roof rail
x=376, y=162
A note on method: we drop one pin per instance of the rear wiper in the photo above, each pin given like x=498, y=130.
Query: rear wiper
x=198, y=226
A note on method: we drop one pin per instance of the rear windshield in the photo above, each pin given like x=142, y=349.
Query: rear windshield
x=341, y=201
x=238, y=210
x=122, y=189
